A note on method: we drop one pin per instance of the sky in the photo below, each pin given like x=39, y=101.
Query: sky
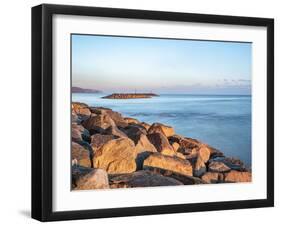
x=129, y=64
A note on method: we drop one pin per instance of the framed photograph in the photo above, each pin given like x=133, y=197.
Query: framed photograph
x=140, y=112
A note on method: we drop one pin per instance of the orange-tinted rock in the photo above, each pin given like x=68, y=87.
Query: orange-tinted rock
x=98, y=123
x=97, y=140
x=161, y=128
x=212, y=177
x=236, y=176
x=131, y=120
x=81, y=109
x=161, y=143
x=175, y=164
x=218, y=167
x=116, y=156
x=145, y=125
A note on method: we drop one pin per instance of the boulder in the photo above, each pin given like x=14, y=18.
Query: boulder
x=116, y=156
x=199, y=168
x=145, y=125
x=134, y=131
x=143, y=148
x=98, y=124
x=212, y=177
x=237, y=176
x=115, y=116
x=81, y=109
x=131, y=120
x=79, y=133
x=80, y=155
x=161, y=128
x=142, y=178
x=97, y=140
x=161, y=143
x=232, y=163
x=174, y=164
x=204, y=153
x=189, y=145
x=113, y=130
x=87, y=179
x=143, y=144
x=218, y=167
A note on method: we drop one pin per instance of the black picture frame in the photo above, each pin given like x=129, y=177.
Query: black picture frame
x=42, y=107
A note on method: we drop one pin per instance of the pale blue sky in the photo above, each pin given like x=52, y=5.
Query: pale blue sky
x=126, y=64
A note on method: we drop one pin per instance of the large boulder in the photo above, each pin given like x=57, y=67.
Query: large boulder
x=98, y=123
x=87, y=179
x=143, y=144
x=237, y=176
x=161, y=128
x=97, y=140
x=116, y=156
x=218, y=167
x=174, y=164
x=143, y=148
x=115, y=116
x=189, y=146
x=80, y=155
x=81, y=109
x=212, y=177
x=161, y=143
x=204, y=153
x=134, y=131
x=142, y=178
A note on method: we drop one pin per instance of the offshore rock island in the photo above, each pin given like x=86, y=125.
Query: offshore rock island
x=112, y=151
x=130, y=95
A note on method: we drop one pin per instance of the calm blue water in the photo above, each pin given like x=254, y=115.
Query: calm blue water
x=223, y=122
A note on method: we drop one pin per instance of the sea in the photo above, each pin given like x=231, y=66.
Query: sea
x=222, y=121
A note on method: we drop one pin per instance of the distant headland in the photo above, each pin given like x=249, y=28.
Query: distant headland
x=76, y=89
x=130, y=95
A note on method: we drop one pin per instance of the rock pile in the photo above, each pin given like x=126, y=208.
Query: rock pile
x=112, y=151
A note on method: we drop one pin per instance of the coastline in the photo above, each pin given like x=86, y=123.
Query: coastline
x=112, y=151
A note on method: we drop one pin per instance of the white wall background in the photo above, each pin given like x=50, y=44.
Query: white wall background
x=15, y=102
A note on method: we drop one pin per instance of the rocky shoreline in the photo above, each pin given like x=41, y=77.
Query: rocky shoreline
x=112, y=151
x=130, y=95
